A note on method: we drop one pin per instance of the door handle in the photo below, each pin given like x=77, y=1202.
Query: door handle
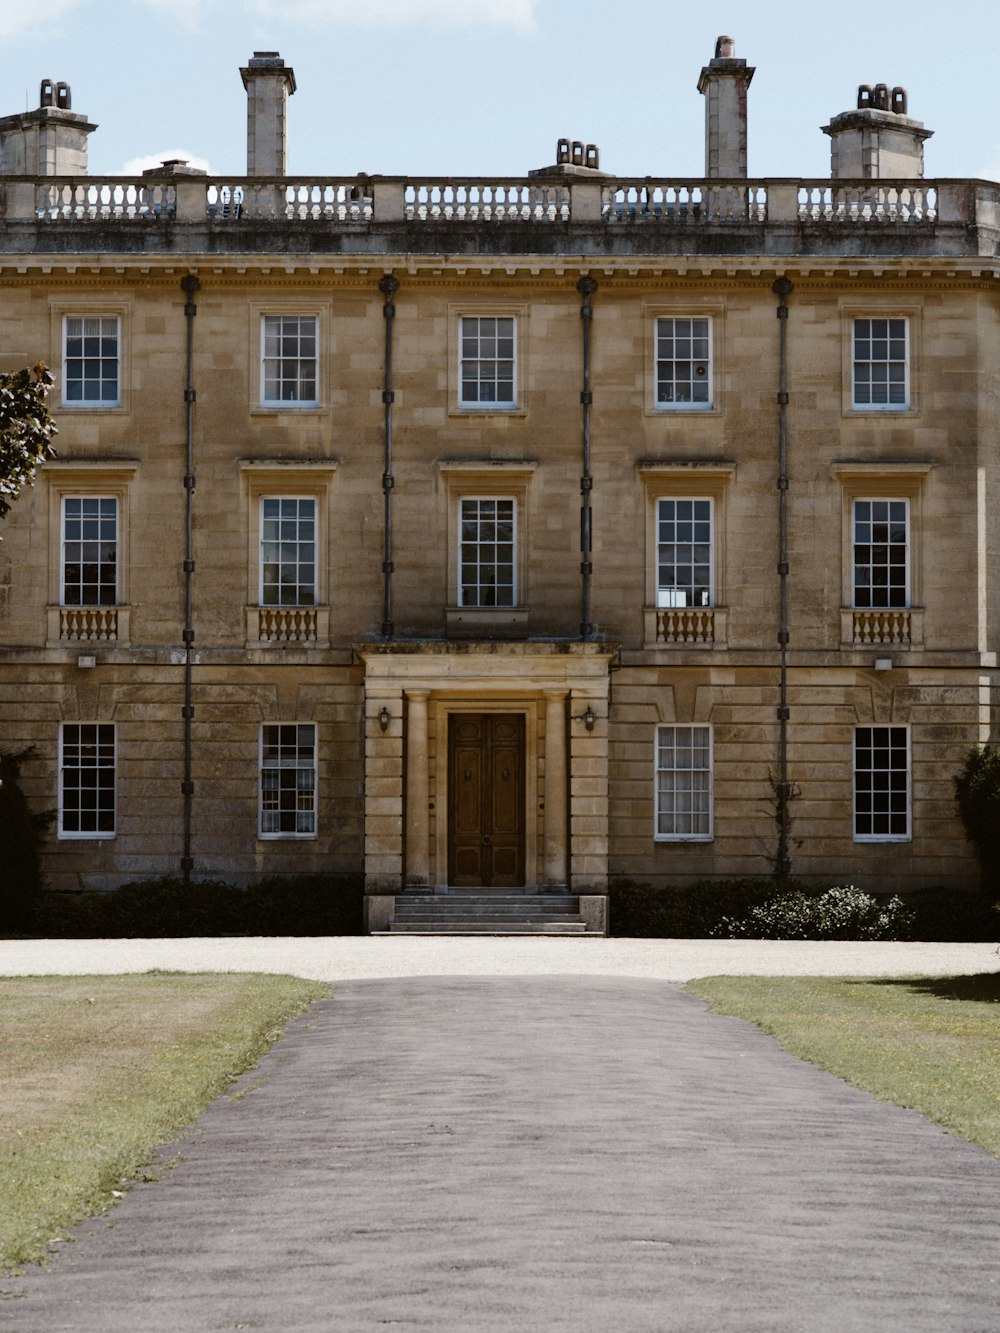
x=487, y=840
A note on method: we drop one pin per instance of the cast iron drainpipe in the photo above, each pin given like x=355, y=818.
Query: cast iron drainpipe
x=783, y=288
x=189, y=285
x=586, y=287
x=388, y=286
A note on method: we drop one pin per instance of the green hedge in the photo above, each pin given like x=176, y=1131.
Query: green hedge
x=164, y=908
x=698, y=910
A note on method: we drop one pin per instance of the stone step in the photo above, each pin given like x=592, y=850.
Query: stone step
x=481, y=928
x=507, y=909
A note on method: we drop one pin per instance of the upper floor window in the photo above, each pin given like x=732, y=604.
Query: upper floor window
x=881, y=554
x=487, y=372
x=487, y=551
x=89, y=551
x=683, y=356
x=91, y=361
x=289, y=350
x=880, y=377
x=684, y=552
x=87, y=780
x=288, y=780
x=881, y=784
x=287, y=551
x=684, y=783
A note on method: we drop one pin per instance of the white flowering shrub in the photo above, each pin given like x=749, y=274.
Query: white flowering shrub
x=841, y=913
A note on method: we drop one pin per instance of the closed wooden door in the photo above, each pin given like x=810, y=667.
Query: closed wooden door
x=486, y=800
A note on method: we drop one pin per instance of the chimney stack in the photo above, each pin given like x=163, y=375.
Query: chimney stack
x=724, y=83
x=269, y=85
x=878, y=140
x=51, y=141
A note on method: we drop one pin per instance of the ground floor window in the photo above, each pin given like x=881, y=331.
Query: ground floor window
x=87, y=780
x=684, y=783
x=287, y=780
x=881, y=784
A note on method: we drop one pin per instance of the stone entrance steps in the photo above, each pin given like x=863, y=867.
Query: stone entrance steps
x=487, y=913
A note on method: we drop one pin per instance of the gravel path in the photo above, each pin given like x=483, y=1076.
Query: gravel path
x=567, y=1154
x=343, y=958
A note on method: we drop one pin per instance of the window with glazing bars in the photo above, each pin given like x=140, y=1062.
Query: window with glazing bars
x=684, y=552
x=287, y=780
x=684, y=782
x=87, y=780
x=880, y=363
x=487, y=361
x=684, y=362
x=90, y=551
x=288, y=366
x=881, y=554
x=287, y=551
x=487, y=552
x=91, y=361
x=881, y=784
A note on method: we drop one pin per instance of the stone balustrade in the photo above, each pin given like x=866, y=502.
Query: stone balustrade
x=690, y=626
x=882, y=628
x=88, y=624
x=304, y=625
x=663, y=203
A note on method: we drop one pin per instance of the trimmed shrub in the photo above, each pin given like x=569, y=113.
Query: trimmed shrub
x=22, y=841
x=684, y=911
x=977, y=794
x=165, y=908
x=841, y=913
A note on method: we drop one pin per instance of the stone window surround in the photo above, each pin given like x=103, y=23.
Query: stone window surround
x=699, y=479
x=881, y=307
x=481, y=479
x=63, y=307
x=85, y=477
x=296, y=306
x=897, y=480
x=295, y=477
x=457, y=311
x=694, y=308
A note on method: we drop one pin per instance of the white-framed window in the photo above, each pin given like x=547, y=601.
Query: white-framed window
x=287, y=780
x=684, y=551
x=91, y=361
x=487, y=551
x=684, y=783
x=881, y=784
x=89, y=563
x=287, y=550
x=487, y=362
x=880, y=363
x=880, y=553
x=87, y=766
x=289, y=373
x=683, y=362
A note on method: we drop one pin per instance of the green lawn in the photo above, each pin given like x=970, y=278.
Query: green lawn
x=96, y=1072
x=930, y=1043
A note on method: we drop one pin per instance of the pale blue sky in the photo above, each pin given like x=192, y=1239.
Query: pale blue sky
x=485, y=87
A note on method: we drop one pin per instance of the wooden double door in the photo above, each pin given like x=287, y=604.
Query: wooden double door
x=486, y=800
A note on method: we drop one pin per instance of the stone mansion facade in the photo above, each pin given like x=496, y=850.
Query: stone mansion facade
x=520, y=534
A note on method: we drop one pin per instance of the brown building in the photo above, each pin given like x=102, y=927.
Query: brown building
x=517, y=534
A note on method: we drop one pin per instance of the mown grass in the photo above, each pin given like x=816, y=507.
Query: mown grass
x=929, y=1043
x=97, y=1072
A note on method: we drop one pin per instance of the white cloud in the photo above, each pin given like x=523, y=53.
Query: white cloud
x=135, y=166
x=15, y=16
x=404, y=13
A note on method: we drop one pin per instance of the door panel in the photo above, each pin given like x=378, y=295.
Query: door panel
x=486, y=800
